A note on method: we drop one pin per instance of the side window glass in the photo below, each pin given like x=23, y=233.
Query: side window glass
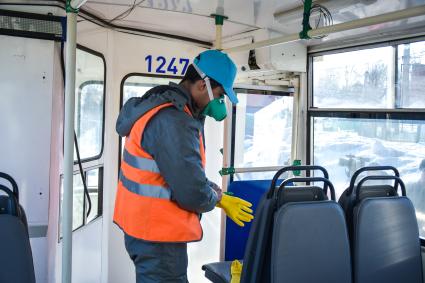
x=137, y=86
x=89, y=104
x=356, y=79
x=263, y=132
x=360, y=117
x=94, y=181
x=411, y=71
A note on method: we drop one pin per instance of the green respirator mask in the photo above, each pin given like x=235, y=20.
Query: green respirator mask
x=216, y=109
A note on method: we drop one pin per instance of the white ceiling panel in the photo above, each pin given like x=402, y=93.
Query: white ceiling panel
x=239, y=11
x=191, y=18
x=183, y=18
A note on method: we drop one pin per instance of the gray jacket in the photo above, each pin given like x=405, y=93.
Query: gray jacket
x=172, y=139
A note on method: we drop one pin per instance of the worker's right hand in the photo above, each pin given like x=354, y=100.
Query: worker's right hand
x=236, y=209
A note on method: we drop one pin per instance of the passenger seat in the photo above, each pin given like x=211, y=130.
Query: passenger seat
x=16, y=263
x=347, y=199
x=310, y=239
x=298, y=235
x=385, y=237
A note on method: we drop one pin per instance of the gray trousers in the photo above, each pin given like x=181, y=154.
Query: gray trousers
x=158, y=262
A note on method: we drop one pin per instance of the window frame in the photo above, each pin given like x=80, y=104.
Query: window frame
x=357, y=113
x=91, y=163
x=80, y=87
x=392, y=43
x=312, y=112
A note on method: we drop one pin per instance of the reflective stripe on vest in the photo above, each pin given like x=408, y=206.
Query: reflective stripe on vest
x=143, y=205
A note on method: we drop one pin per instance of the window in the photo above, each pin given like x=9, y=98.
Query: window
x=89, y=104
x=262, y=132
x=359, y=115
x=77, y=202
x=136, y=85
x=89, y=129
x=411, y=72
x=81, y=205
x=94, y=180
x=342, y=145
x=356, y=79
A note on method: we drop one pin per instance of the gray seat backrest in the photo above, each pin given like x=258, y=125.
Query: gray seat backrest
x=256, y=262
x=310, y=239
x=310, y=244
x=348, y=197
x=16, y=263
x=386, y=241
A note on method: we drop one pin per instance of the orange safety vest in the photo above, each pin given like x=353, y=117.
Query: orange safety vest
x=143, y=205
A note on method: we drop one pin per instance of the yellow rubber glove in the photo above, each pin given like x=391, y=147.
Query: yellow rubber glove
x=236, y=209
x=235, y=271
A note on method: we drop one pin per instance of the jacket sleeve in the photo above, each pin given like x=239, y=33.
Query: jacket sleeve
x=172, y=138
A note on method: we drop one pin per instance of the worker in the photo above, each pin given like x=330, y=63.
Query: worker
x=162, y=188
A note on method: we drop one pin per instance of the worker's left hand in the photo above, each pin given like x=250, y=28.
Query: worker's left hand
x=236, y=209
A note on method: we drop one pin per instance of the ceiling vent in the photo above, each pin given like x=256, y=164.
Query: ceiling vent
x=32, y=25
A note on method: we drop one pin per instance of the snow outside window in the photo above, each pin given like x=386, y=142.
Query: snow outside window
x=343, y=145
x=370, y=79
x=263, y=133
x=358, y=125
x=357, y=79
x=411, y=71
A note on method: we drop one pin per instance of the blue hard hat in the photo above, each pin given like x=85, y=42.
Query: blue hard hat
x=218, y=66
